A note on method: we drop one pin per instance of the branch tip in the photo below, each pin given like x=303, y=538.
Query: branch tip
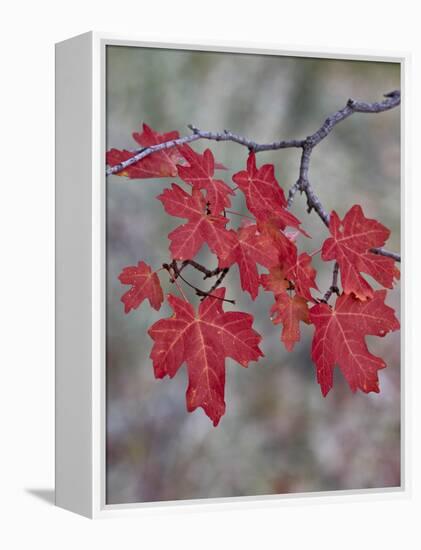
x=393, y=93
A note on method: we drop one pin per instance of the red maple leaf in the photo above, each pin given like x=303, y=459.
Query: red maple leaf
x=350, y=244
x=202, y=227
x=339, y=339
x=287, y=251
x=275, y=281
x=299, y=272
x=289, y=311
x=303, y=275
x=251, y=247
x=264, y=197
x=203, y=340
x=144, y=284
x=156, y=165
x=199, y=173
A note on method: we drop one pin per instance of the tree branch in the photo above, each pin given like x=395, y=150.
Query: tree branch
x=392, y=100
x=226, y=135
x=207, y=272
x=384, y=252
x=303, y=183
x=218, y=282
x=333, y=289
x=175, y=272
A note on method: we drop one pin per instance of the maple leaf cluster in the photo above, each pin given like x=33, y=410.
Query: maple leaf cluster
x=203, y=338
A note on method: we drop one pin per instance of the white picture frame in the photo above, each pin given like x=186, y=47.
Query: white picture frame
x=80, y=277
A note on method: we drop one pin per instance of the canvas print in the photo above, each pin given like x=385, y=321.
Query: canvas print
x=253, y=265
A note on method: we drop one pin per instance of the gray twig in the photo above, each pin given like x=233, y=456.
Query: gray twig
x=303, y=183
x=139, y=154
x=175, y=272
x=392, y=100
x=383, y=252
x=333, y=289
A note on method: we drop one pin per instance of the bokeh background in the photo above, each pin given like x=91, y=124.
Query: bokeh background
x=279, y=435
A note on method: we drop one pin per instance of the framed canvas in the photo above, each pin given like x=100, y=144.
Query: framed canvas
x=230, y=291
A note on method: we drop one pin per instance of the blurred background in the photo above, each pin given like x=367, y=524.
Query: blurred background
x=278, y=435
